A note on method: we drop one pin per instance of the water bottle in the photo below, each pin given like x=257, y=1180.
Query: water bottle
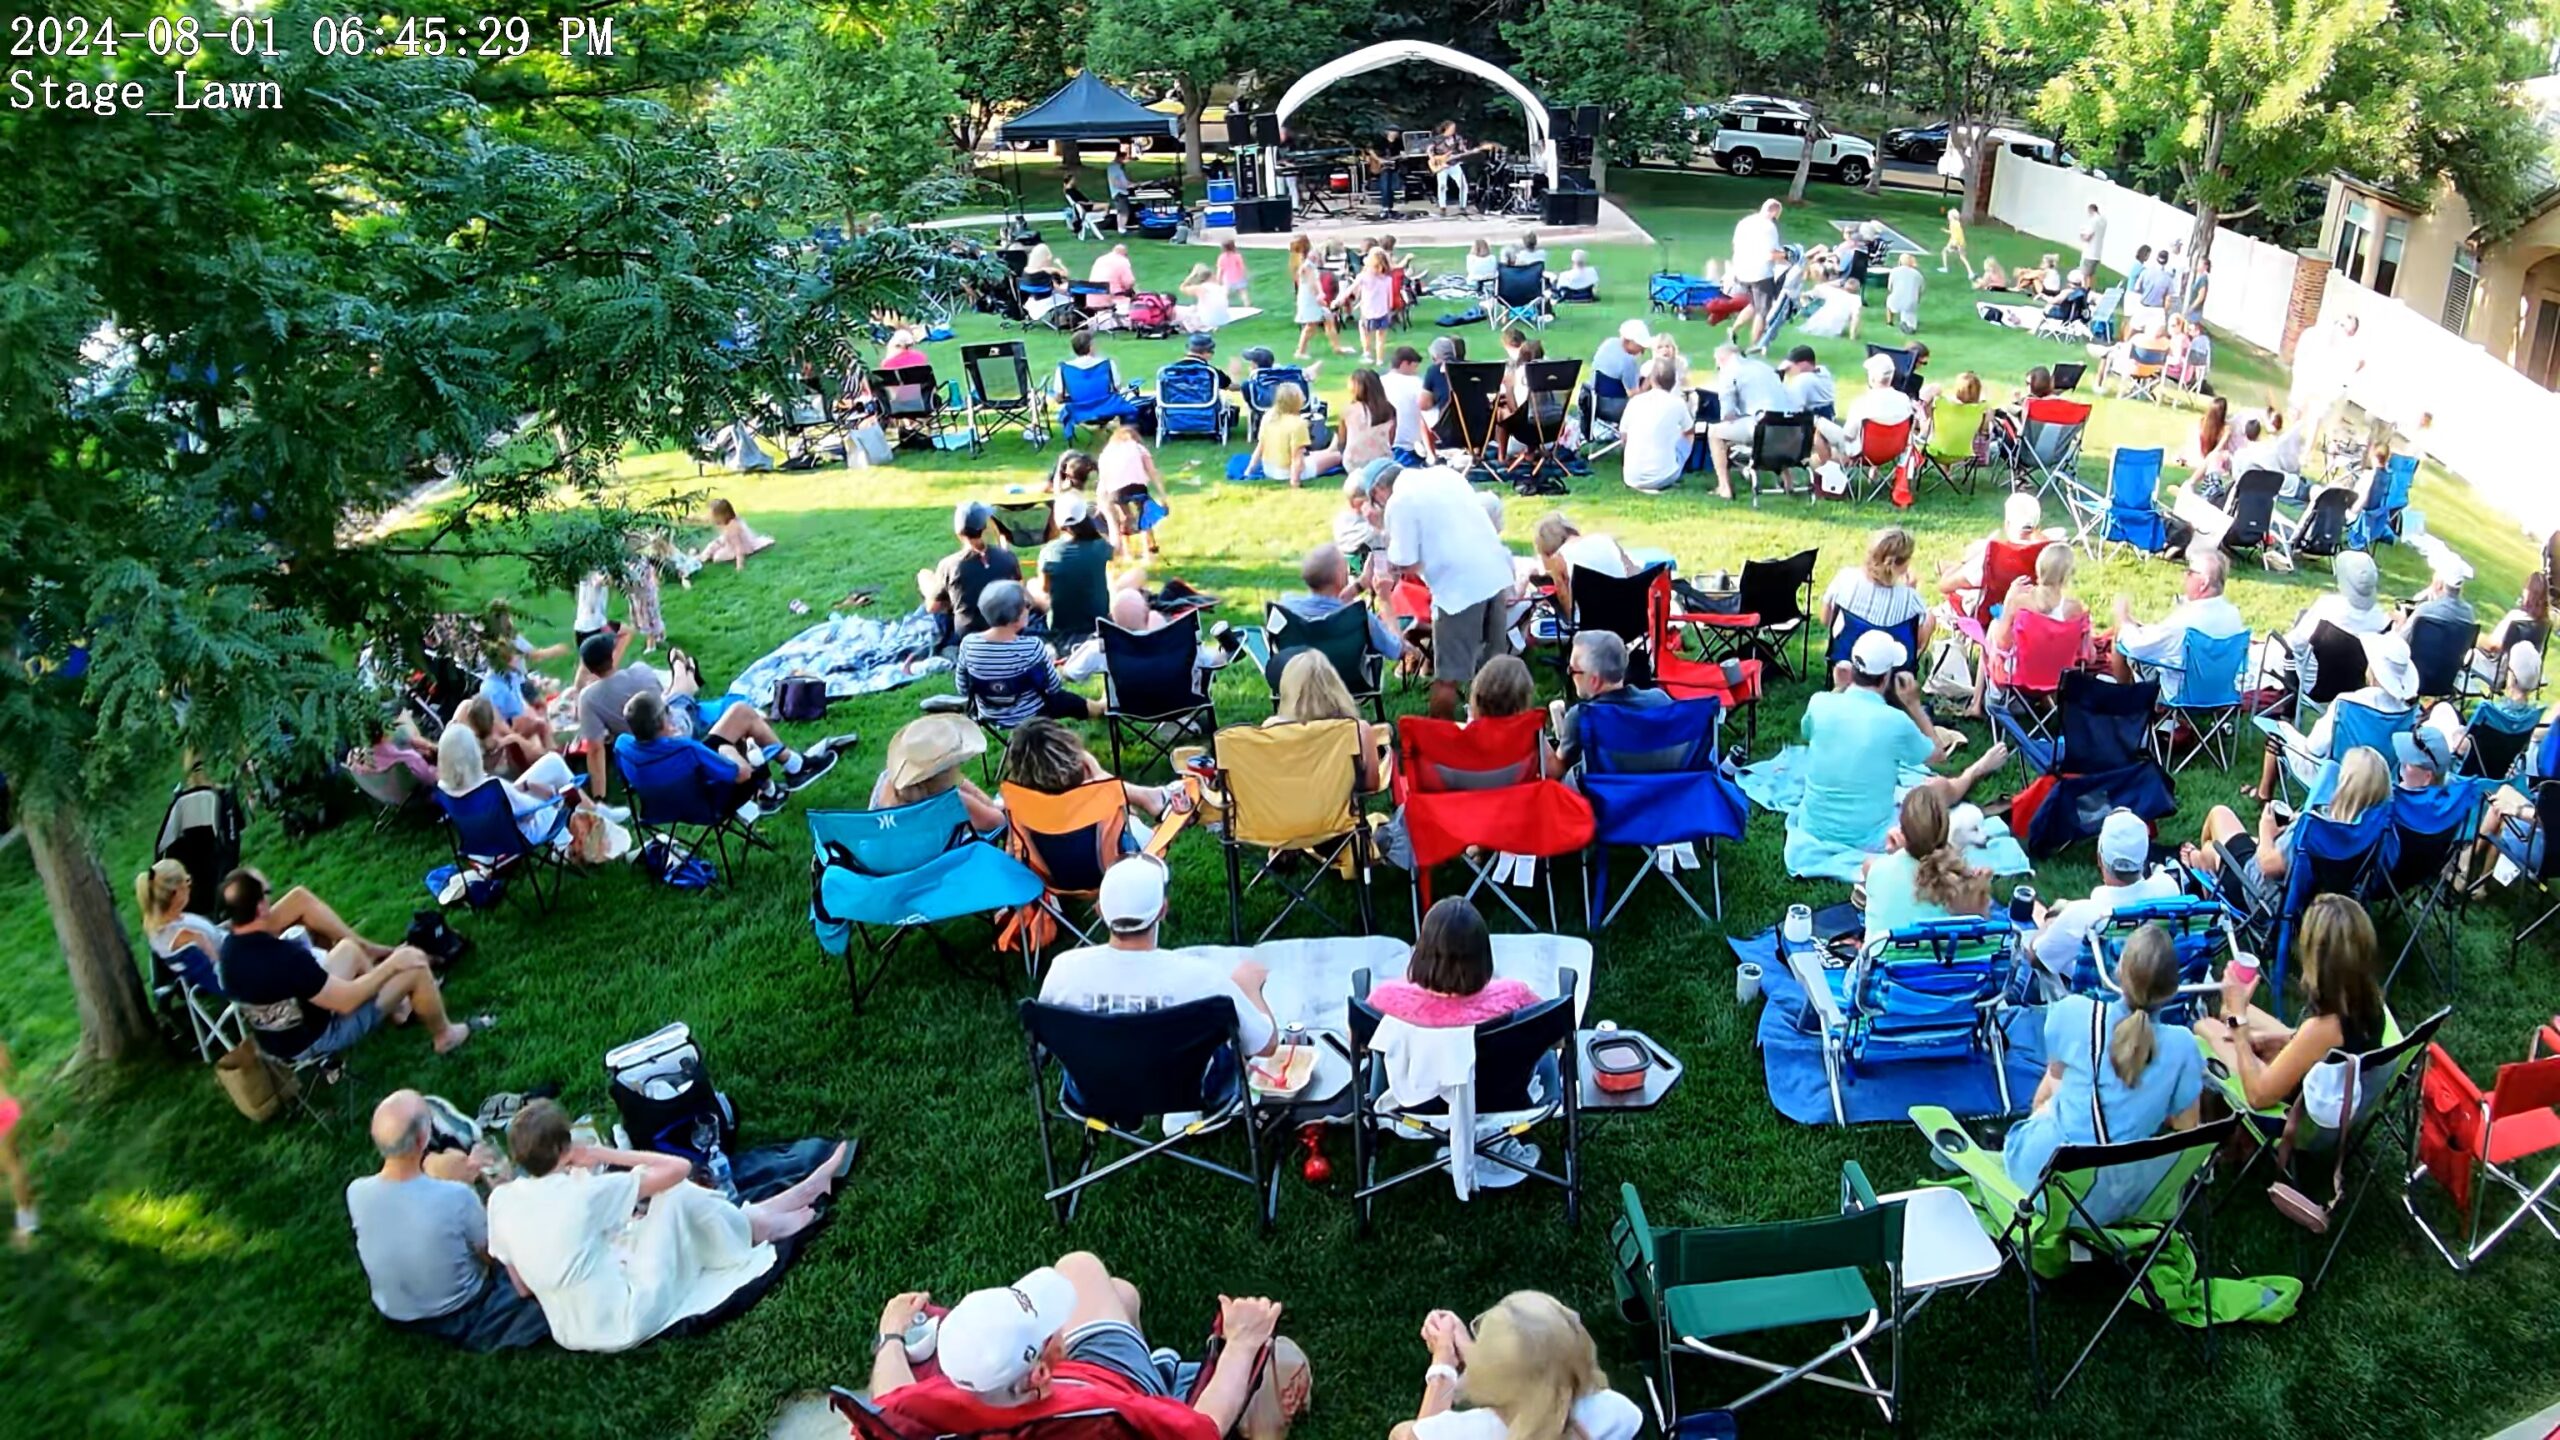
x=716, y=1160
x=2022, y=907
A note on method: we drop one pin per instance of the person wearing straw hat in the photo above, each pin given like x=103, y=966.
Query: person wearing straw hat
x=930, y=756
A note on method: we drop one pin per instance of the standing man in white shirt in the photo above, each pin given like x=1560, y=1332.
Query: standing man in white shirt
x=2093, y=238
x=1746, y=389
x=1655, y=429
x=1759, y=254
x=1403, y=384
x=1436, y=528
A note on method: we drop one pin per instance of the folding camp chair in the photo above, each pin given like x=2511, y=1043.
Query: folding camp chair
x=1060, y=312
x=2330, y=857
x=1342, y=637
x=1903, y=360
x=2495, y=742
x=2419, y=870
x=1699, y=1289
x=2102, y=314
x=2144, y=371
x=1653, y=780
x=1190, y=402
x=2132, y=503
x=1734, y=682
x=2046, y=452
x=187, y=993
x=2212, y=671
x=485, y=837
x=1773, y=601
x=669, y=798
x=1118, y=1071
x=1538, y=424
x=2044, y=1227
x=2004, y=564
x=1854, y=628
x=2386, y=502
x=2322, y=530
x=1068, y=841
x=1093, y=395
x=915, y=404
x=1602, y=405
x=1259, y=388
x=1025, y=524
x=201, y=831
x=905, y=870
x=1000, y=395
x=1480, y=786
x=2353, y=725
x=2100, y=761
x=1779, y=444
x=2066, y=375
x=1880, y=451
x=1155, y=692
x=2042, y=650
x=1519, y=297
x=2334, y=665
x=2200, y=928
x=1466, y=423
x=395, y=791
x=1527, y=1074
x=2469, y=1141
x=1622, y=605
x=1954, y=452
x=2066, y=319
x=1932, y=990
x=2440, y=651
x=1293, y=792
x=2535, y=843
x=2253, y=514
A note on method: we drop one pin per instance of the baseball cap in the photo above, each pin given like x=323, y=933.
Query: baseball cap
x=2124, y=841
x=990, y=1341
x=1132, y=894
x=1877, y=653
x=1202, y=342
x=2426, y=747
x=1071, y=508
x=1633, y=332
x=2387, y=656
x=970, y=517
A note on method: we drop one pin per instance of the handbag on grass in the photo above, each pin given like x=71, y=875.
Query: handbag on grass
x=258, y=1085
x=2290, y=1202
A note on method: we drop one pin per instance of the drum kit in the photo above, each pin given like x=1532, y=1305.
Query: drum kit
x=1341, y=181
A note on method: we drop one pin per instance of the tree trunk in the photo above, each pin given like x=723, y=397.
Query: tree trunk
x=1804, y=158
x=115, y=1015
x=2200, y=239
x=1194, y=104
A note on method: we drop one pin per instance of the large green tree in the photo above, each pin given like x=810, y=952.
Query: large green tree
x=863, y=111
x=1005, y=54
x=1645, y=63
x=1195, y=46
x=2240, y=99
x=229, y=341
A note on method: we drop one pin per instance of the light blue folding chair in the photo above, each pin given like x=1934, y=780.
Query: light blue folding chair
x=1933, y=990
x=900, y=871
x=2199, y=927
x=2211, y=671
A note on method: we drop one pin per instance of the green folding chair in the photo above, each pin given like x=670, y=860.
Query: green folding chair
x=1700, y=1288
x=2044, y=1228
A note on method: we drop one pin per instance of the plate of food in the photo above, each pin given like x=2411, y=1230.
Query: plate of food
x=1285, y=1073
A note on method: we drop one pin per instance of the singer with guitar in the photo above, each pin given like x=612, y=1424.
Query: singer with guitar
x=1448, y=152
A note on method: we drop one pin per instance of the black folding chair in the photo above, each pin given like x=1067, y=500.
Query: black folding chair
x=2334, y=666
x=1158, y=697
x=1341, y=637
x=1468, y=419
x=2440, y=651
x=1000, y=394
x=2322, y=531
x=1780, y=443
x=1118, y=1071
x=2546, y=822
x=913, y=403
x=1507, y=1083
x=1774, y=599
x=2253, y=513
x=1621, y=605
x=1025, y=524
x=1539, y=421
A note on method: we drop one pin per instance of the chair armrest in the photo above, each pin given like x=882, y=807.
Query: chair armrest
x=1971, y=629
x=1721, y=622
x=1954, y=1144
x=1806, y=965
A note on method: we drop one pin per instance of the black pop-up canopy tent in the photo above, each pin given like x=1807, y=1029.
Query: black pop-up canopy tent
x=1088, y=107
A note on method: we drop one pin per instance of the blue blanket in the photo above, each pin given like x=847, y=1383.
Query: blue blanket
x=1791, y=1058
x=854, y=654
x=1777, y=784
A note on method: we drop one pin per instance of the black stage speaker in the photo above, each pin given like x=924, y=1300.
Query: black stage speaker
x=1248, y=180
x=1250, y=128
x=1572, y=202
x=1580, y=122
x=1267, y=216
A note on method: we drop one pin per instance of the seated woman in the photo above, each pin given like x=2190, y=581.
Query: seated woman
x=1046, y=756
x=2339, y=961
x=2530, y=620
x=2209, y=453
x=610, y=1275
x=1483, y=266
x=1925, y=877
x=1563, y=548
x=906, y=350
x=1043, y=264
x=2252, y=869
x=1579, y=282
x=1880, y=591
x=1210, y=309
x=1993, y=276
x=2113, y=1075
x=736, y=540
x=1449, y=984
x=926, y=758
x=1311, y=689
x=397, y=745
x=513, y=689
x=1284, y=449
x=164, y=893
x=2048, y=594
x=1529, y=1371
x=536, y=795
x=1502, y=687
x=1073, y=583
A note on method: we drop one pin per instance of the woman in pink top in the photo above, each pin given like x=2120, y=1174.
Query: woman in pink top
x=1377, y=290
x=1449, y=980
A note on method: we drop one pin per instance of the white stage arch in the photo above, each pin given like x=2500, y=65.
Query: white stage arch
x=1395, y=52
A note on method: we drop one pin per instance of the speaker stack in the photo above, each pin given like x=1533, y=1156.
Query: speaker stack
x=1266, y=216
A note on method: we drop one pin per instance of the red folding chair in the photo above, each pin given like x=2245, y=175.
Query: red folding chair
x=2466, y=1138
x=1479, y=787
x=1687, y=677
x=1880, y=451
x=2004, y=564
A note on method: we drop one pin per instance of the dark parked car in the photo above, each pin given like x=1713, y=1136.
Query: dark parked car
x=1922, y=144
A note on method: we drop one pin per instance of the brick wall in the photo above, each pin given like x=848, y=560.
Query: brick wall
x=2302, y=311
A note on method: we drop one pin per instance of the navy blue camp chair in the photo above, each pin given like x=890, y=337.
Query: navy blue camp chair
x=1190, y=402
x=2416, y=873
x=1118, y=1071
x=2440, y=651
x=1652, y=779
x=2101, y=761
x=680, y=812
x=485, y=835
x=186, y=990
x=2497, y=738
x=878, y=876
x=2330, y=857
x=1852, y=629
x=1259, y=388
x=1158, y=696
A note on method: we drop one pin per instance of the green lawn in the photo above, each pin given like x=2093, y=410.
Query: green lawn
x=196, y=1277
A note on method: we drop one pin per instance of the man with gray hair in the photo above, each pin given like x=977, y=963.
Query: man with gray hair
x=1597, y=668
x=2200, y=608
x=1327, y=577
x=422, y=1235
x=1746, y=389
x=1008, y=677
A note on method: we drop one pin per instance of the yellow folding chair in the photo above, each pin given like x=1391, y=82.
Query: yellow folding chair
x=1293, y=792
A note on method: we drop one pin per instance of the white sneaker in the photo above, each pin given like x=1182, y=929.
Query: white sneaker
x=749, y=813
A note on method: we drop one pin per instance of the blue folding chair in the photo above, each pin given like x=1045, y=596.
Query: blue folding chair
x=1852, y=629
x=2211, y=673
x=1189, y=402
x=2378, y=523
x=2497, y=738
x=2133, y=507
x=670, y=798
x=2353, y=725
x=1262, y=384
x=1653, y=781
x=2416, y=873
x=1933, y=990
x=2101, y=760
x=485, y=834
x=2330, y=857
x=1093, y=395
x=2199, y=927
x=904, y=870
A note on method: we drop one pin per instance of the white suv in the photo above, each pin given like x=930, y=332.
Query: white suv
x=1759, y=133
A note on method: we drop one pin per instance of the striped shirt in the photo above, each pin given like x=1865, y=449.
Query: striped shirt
x=1005, y=679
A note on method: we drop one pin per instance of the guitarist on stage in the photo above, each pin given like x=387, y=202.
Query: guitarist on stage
x=1449, y=150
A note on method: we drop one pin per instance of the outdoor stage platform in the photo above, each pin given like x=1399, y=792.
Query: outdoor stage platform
x=1424, y=229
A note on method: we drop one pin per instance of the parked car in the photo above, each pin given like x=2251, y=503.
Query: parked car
x=1921, y=144
x=2017, y=142
x=1763, y=133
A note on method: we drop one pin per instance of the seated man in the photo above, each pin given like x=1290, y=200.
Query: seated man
x=1579, y=281
x=299, y=1004
x=422, y=1235
x=1858, y=737
x=648, y=753
x=951, y=588
x=604, y=705
x=1065, y=1339
x=2391, y=686
x=1009, y=677
x=1112, y=270
x=1748, y=389
x=1809, y=383
x=1881, y=404
x=1656, y=429
x=1131, y=974
x=2124, y=854
x=2201, y=608
x=1327, y=577
x=1598, y=668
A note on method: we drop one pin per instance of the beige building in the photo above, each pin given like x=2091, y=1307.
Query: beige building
x=2427, y=254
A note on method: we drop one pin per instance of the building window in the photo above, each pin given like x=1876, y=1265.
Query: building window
x=2355, y=238
x=2386, y=269
x=2458, y=290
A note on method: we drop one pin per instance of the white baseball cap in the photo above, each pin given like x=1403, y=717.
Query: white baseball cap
x=2124, y=842
x=1877, y=653
x=1132, y=893
x=1633, y=332
x=992, y=1340
x=1071, y=508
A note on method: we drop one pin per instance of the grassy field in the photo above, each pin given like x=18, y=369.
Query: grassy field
x=195, y=1276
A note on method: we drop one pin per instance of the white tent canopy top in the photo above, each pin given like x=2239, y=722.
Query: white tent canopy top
x=1396, y=52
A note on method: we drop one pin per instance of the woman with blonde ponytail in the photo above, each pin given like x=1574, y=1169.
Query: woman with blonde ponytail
x=2116, y=1073
x=1925, y=877
x=1527, y=1370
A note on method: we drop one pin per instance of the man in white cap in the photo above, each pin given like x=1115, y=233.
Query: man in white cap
x=1065, y=1339
x=2391, y=687
x=2125, y=877
x=1858, y=737
x=1130, y=974
x=2442, y=600
x=2201, y=607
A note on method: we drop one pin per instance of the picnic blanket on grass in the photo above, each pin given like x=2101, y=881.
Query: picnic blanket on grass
x=854, y=654
x=1777, y=784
